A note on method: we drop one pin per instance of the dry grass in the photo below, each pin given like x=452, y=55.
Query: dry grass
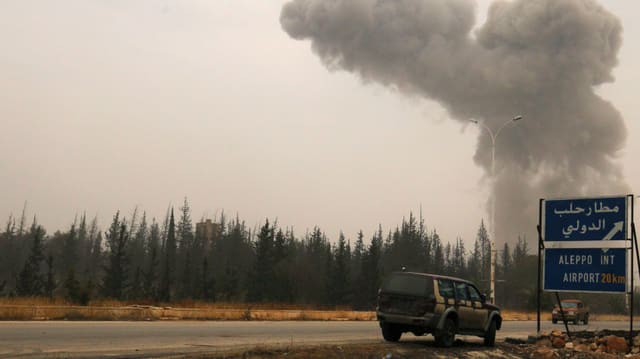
x=546, y=315
x=45, y=309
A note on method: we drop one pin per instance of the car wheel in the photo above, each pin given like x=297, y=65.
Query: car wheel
x=586, y=319
x=446, y=335
x=390, y=333
x=490, y=335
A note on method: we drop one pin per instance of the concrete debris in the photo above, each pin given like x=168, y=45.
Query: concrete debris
x=557, y=344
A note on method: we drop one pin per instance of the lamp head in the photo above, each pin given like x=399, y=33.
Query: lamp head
x=517, y=118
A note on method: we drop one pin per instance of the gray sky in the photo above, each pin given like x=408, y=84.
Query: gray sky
x=110, y=105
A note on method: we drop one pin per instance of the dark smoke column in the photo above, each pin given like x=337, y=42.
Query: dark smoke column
x=537, y=58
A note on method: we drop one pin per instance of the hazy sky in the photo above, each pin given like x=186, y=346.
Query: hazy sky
x=109, y=105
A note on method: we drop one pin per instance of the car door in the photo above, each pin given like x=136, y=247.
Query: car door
x=480, y=312
x=464, y=306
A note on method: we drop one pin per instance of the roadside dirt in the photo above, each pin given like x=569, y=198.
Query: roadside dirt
x=402, y=350
x=508, y=349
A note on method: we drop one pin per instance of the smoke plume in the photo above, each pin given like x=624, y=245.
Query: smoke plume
x=540, y=59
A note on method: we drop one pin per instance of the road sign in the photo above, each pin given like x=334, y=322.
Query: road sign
x=585, y=219
x=586, y=245
x=585, y=270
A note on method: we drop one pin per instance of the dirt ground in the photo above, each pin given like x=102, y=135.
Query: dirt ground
x=509, y=349
x=402, y=350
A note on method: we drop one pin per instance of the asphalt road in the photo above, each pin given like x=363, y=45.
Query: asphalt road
x=140, y=339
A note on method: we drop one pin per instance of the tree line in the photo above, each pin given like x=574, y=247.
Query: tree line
x=144, y=260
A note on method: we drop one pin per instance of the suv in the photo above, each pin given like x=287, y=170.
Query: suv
x=423, y=303
x=574, y=310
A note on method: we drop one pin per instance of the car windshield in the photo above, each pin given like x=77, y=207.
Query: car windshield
x=569, y=305
x=409, y=284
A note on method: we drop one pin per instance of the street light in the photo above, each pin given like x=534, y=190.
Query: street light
x=493, y=199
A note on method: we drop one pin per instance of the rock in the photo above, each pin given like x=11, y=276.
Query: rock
x=581, y=348
x=556, y=333
x=635, y=350
x=544, y=342
x=593, y=346
x=616, y=344
x=558, y=342
x=636, y=341
x=544, y=353
x=568, y=345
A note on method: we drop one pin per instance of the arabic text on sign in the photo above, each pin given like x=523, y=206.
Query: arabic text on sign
x=589, y=210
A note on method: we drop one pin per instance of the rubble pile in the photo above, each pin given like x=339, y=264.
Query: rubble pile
x=605, y=344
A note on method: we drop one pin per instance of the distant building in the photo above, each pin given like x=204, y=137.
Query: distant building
x=209, y=231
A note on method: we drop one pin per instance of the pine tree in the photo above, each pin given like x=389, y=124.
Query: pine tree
x=474, y=264
x=185, y=226
x=484, y=260
x=284, y=253
x=262, y=277
x=96, y=259
x=7, y=253
x=70, y=255
x=339, y=272
x=169, y=262
x=185, y=254
x=312, y=279
x=84, y=249
x=356, y=258
x=458, y=259
x=31, y=280
x=438, y=253
x=136, y=256
x=370, y=275
x=150, y=285
x=406, y=248
x=520, y=251
x=199, y=250
x=115, y=279
x=233, y=257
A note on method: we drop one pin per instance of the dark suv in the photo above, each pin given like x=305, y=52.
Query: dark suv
x=423, y=303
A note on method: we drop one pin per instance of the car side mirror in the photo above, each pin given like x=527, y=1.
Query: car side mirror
x=483, y=297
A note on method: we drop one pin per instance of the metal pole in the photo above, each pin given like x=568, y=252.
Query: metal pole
x=492, y=230
x=538, y=284
x=540, y=246
x=634, y=244
x=493, y=220
x=564, y=318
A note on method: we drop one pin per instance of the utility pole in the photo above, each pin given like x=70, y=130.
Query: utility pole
x=492, y=215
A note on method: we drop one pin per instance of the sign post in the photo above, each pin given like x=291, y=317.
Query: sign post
x=586, y=245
